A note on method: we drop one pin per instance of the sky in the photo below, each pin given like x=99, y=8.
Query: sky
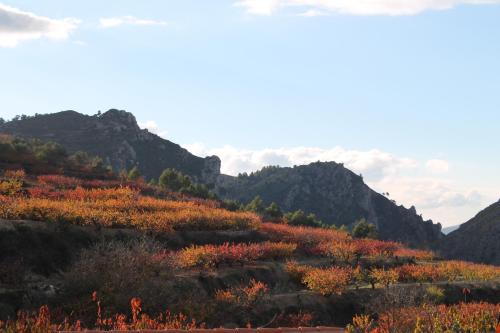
x=404, y=92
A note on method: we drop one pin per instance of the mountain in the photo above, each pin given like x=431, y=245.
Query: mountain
x=476, y=240
x=336, y=195
x=448, y=230
x=116, y=137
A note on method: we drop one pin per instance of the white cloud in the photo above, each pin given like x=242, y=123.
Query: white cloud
x=408, y=181
x=357, y=7
x=427, y=192
x=313, y=13
x=153, y=127
x=17, y=26
x=113, y=22
x=437, y=166
x=260, y=7
x=373, y=164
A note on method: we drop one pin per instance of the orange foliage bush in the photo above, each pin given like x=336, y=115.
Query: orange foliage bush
x=447, y=271
x=416, y=254
x=305, y=237
x=229, y=254
x=384, y=277
x=12, y=182
x=340, y=251
x=243, y=296
x=375, y=247
x=296, y=271
x=328, y=281
x=126, y=208
x=15, y=174
x=59, y=181
x=463, y=317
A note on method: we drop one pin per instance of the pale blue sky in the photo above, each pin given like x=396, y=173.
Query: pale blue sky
x=220, y=77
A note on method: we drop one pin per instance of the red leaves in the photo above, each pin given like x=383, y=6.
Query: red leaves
x=229, y=254
x=122, y=207
x=305, y=237
x=463, y=317
x=135, y=304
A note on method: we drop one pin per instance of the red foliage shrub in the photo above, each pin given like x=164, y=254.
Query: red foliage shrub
x=59, y=181
x=305, y=237
x=123, y=207
x=416, y=254
x=463, y=317
x=328, y=281
x=229, y=254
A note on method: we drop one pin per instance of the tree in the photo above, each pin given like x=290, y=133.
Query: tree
x=79, y=158
x=384, y=277
x=51, y=152
x=274, y=211
x=363, y=229
x=198, y=190
x=134, y=174
x=300, y=218
x=232, y=205
x=153, y=182
x=256, y=205
x=2, y=121
x=343, y=227
x=173, y=180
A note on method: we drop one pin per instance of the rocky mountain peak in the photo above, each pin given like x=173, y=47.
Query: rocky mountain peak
x=120, y=118
x=336, y=195
x=116, y=137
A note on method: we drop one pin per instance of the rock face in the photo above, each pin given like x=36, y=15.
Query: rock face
x=476, y=240
x=118, y=140
x=336, y=195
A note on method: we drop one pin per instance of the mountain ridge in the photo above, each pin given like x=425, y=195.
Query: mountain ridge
x=476, y=240
x=336, y=195
x=126, y=144
x=328, y=189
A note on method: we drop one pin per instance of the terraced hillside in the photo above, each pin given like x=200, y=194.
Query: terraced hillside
x=93, y=249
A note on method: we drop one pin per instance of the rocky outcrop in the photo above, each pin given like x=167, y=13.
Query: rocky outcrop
x=116, y=137
x=336, y=195
x=476, y=240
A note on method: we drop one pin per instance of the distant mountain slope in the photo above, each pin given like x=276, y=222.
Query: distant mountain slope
x=116, y=137
x=476, y=240
x=336, y=195
x=448, y=230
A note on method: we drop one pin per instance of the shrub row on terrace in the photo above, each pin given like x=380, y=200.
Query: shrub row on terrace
x=336, y=279
x=213, y=256
x=447, y=271
x=125, y=208
x=339, y=245
x=463, y=317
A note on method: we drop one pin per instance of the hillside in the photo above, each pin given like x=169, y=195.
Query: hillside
x=91, y=250
x=476, y=240
x=336, y=195
x=115, y=137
